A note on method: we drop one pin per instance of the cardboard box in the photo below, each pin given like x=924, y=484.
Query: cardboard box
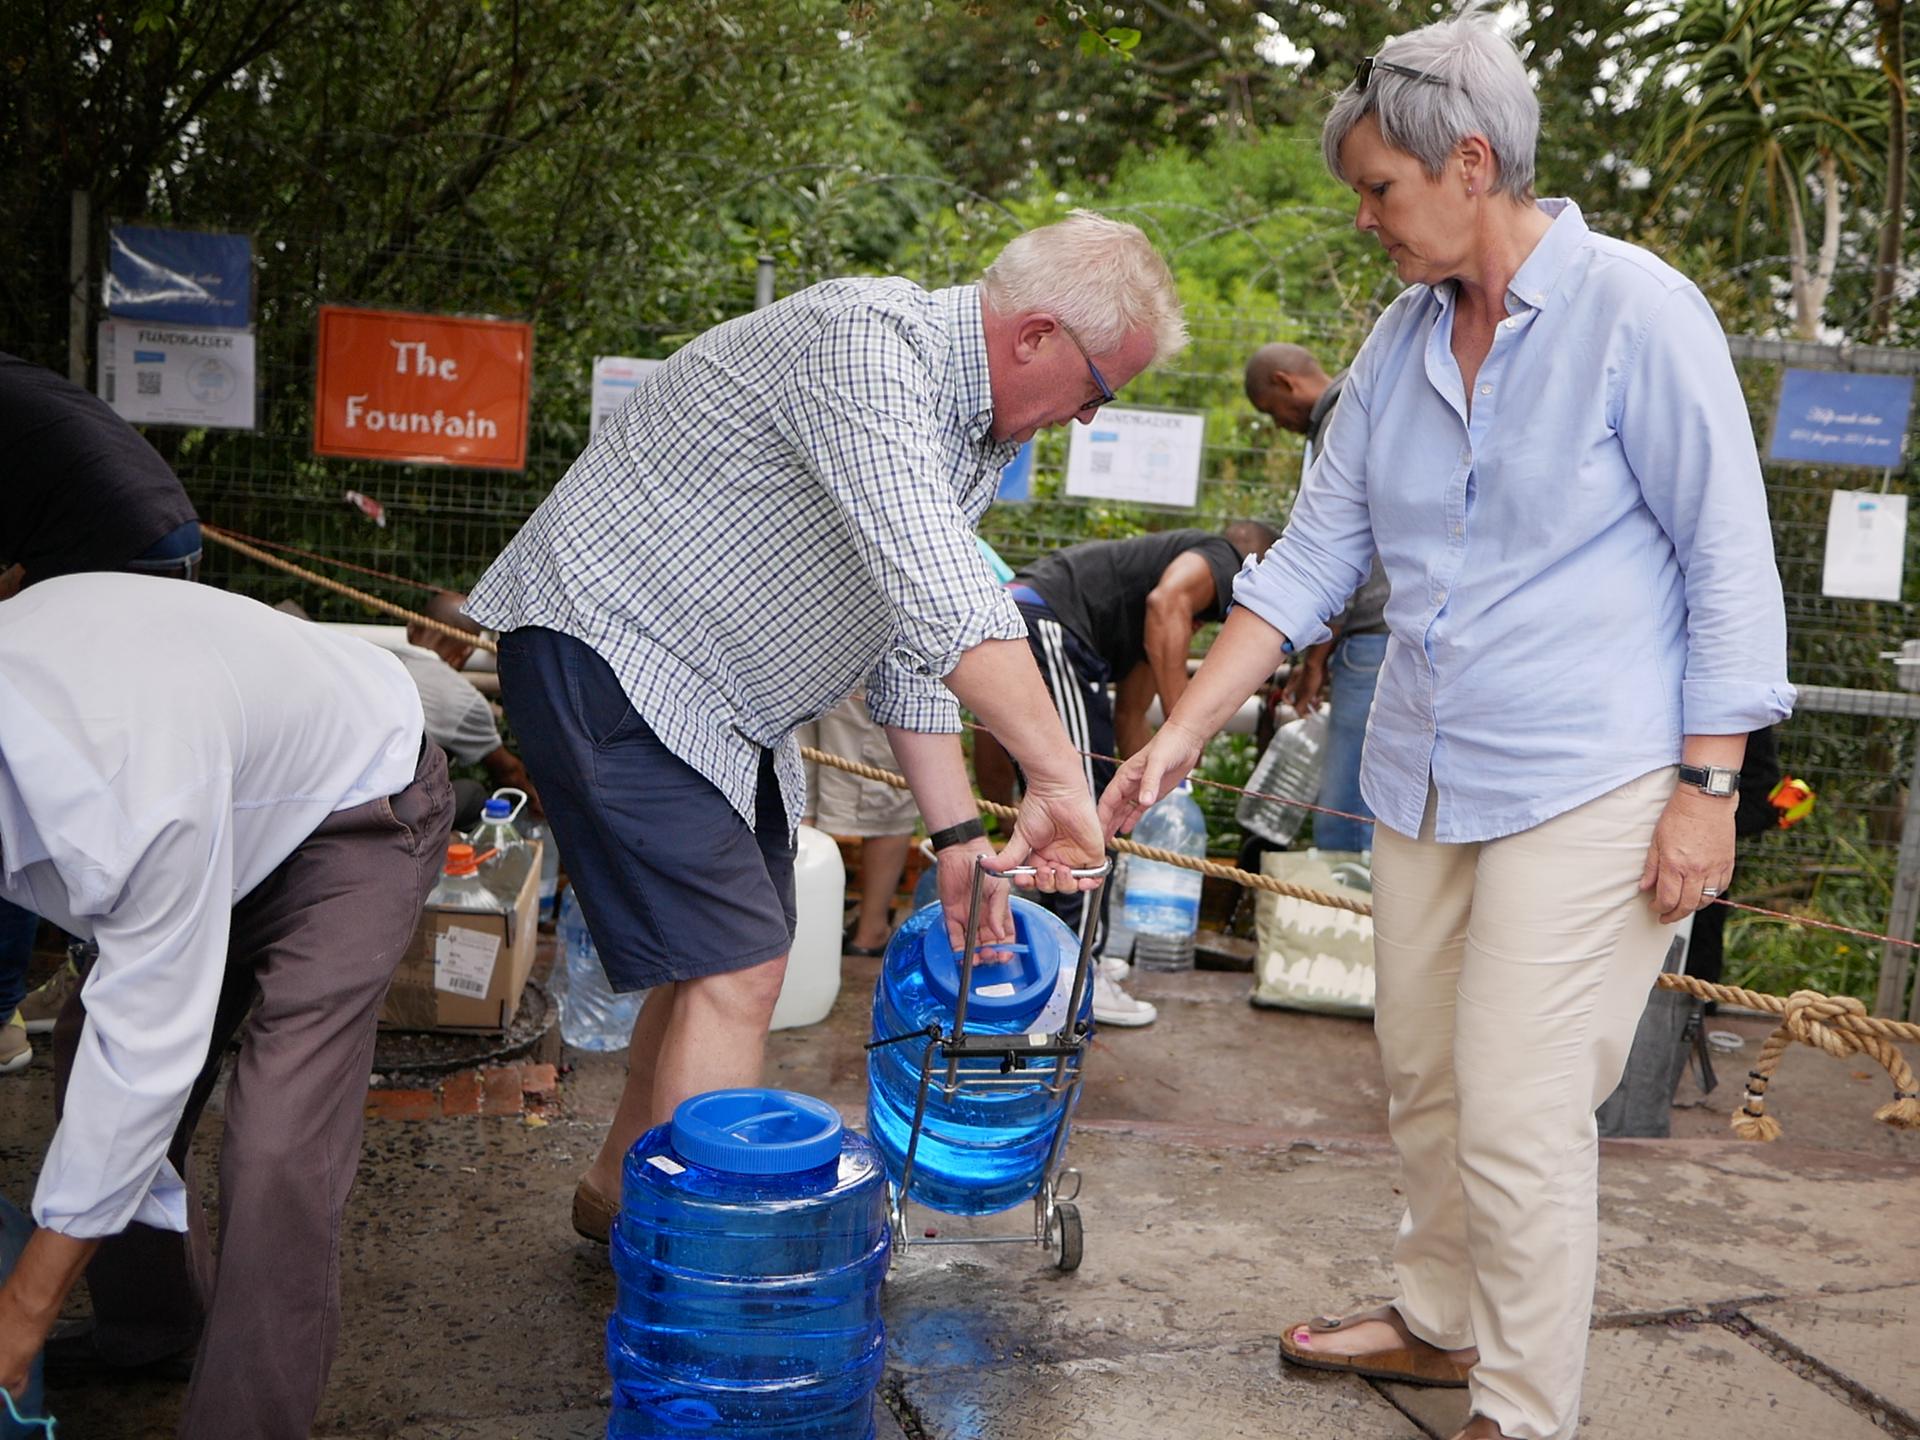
x=464, y=971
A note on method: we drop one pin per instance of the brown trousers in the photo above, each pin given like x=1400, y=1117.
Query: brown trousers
x=312, y=949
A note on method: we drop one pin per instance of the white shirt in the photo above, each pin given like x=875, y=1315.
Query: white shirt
x=164, y=746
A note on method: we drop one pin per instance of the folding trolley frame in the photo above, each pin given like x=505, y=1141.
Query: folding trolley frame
x=1056, y=1218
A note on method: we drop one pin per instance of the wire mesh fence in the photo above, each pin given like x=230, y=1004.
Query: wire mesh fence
x=444, y=525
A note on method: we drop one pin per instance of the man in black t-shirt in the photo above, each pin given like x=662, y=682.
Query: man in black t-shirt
x=1121, y=612
x=84, y=490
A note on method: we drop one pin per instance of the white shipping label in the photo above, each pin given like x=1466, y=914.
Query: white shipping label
x=666, y=1166
x=463, y=961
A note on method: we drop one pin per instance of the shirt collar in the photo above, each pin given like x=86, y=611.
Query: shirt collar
x=1540, y=272
x=972, y=382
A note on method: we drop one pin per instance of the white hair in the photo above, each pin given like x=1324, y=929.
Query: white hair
x=1101, y=278
x=1486, y=92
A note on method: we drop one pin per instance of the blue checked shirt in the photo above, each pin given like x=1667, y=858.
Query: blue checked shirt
x=1581, y=567
x=782, y=512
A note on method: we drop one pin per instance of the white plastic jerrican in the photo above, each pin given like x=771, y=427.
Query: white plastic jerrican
x=813, y=966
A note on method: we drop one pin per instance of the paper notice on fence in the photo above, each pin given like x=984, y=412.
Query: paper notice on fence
x=1866, y=546
x=158, y=374
x=463, y=961
x=1151, y=457
x=615, y=377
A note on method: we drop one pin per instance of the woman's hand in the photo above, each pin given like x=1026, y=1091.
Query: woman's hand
x=1692, y=848
x=1148, y=775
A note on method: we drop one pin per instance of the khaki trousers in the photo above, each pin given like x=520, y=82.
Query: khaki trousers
x=1511, y=975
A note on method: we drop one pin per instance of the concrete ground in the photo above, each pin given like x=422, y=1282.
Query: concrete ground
x=1237, y=1178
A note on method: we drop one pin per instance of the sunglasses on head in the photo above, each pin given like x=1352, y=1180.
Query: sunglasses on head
x=1363, y=72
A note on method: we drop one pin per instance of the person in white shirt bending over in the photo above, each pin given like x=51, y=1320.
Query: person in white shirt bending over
x=241, y=811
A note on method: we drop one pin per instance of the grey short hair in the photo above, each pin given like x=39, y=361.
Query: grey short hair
x=1487, y=93
x=1101, y=277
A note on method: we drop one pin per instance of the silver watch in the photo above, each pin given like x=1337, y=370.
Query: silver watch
x=1714, y=780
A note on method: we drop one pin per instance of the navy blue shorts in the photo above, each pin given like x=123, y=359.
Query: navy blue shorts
x=672, y=882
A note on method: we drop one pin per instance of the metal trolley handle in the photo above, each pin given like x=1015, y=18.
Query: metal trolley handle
x=970, y=953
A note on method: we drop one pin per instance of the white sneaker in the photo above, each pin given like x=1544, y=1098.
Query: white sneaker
x=16, y=1051
x=1113, y=1006
x=1116, y=968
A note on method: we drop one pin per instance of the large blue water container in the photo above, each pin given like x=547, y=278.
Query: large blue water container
x=984, y=1148
x=749, y=1252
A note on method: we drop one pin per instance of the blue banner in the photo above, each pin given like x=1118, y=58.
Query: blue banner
x=1841, y=418
x=1016, y=480
x=180, y=277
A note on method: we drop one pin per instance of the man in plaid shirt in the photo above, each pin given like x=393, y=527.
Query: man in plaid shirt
x=783, y=512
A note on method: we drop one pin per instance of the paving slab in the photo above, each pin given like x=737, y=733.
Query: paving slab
x=1214, y=1394
x=1679, y=1380
x=1868, y=1338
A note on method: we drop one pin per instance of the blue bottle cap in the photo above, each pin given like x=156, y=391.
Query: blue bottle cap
x=497, y=809
x=756, y=1132
x=1014, y=986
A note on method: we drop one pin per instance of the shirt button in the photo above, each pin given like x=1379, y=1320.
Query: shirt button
x=1486, y=389
x=1510, y=324
x=1456, y=530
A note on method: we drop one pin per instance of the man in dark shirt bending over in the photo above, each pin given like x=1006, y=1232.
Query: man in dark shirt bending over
x=1119, y=612
x=84, y=490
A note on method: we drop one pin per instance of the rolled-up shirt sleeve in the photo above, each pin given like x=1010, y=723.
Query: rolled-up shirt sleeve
x=1684, y=428
x=1327, y=548
x=861, y=405
x=150, y=1001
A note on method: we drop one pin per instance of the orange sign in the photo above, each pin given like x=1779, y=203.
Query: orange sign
x=422, y=389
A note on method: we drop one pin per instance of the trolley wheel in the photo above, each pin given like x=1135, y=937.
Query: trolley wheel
x=1066, y=1219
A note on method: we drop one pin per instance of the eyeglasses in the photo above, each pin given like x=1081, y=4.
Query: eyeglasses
x=1363, y=72
x=1106, y=396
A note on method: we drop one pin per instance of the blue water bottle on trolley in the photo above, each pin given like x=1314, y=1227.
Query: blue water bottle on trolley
x=748, y=1254
x=975, y=1064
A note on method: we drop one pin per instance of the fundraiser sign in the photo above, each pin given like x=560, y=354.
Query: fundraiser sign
x=422, y=389
x=1148, y=456
x=194, y=375
x=1841, y=418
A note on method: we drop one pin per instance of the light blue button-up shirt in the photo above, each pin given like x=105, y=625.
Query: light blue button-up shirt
x=1581, y=564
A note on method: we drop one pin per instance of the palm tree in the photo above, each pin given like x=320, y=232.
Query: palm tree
x=1766, y=99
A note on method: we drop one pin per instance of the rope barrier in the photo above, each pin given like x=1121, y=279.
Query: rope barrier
x=1214, y=868
x=1835, y=1024
x=387, y=607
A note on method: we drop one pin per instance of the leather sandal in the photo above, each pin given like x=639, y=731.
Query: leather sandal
x=1414, y=1362
x=593, y=1214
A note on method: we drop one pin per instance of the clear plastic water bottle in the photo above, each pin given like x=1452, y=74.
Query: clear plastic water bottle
x=748, y=1254
x=1163, y=901
x=593, y=1015
x=549, y=867
x=982, y=1149
x=505, y=870
x=1119, y=939
x=460, y=886
x=1289, y=769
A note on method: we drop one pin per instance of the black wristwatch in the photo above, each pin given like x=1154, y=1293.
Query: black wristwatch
x=957, y=834
x=1714, y=780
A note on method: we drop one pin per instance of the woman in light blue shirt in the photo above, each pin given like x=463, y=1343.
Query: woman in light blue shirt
x=1545, y=443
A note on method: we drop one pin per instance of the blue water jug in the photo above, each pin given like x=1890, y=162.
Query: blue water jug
x=984, y=1148
x=751, y=1243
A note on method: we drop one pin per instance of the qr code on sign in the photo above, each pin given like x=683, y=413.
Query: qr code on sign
x=148, y=381
x=1102, y=462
